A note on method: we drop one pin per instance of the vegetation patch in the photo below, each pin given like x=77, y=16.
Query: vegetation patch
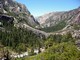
x=57, y=27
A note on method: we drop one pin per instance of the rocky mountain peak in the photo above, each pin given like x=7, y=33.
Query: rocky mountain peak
x=53, y=18
x=17, y=10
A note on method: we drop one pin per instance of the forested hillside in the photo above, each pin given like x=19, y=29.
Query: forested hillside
x=22, y=38
x=58, y=47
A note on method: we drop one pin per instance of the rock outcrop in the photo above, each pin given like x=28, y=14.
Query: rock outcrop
x=17, y=10
x=7, y=19
x=19, y=15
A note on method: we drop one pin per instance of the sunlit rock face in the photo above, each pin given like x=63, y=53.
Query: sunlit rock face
x=17, y=10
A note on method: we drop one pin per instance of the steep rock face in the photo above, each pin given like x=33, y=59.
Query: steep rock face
x=18, y=15
x=77, y=19
x=17, y=10
x=53, y=18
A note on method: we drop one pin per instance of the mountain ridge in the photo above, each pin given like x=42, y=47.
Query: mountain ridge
x=54, y=18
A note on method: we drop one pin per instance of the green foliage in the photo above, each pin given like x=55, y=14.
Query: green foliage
x=21, y=47
x=49, y=42
x=62, y=51
x=58, y=47
x=57, y=27
x=19, y=39
x=67, y=37
x=52, y=39
x=76, y=26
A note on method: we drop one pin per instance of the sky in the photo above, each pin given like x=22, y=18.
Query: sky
x=41, y=7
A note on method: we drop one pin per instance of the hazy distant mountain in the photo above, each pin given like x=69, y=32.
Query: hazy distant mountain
x=64, y=19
